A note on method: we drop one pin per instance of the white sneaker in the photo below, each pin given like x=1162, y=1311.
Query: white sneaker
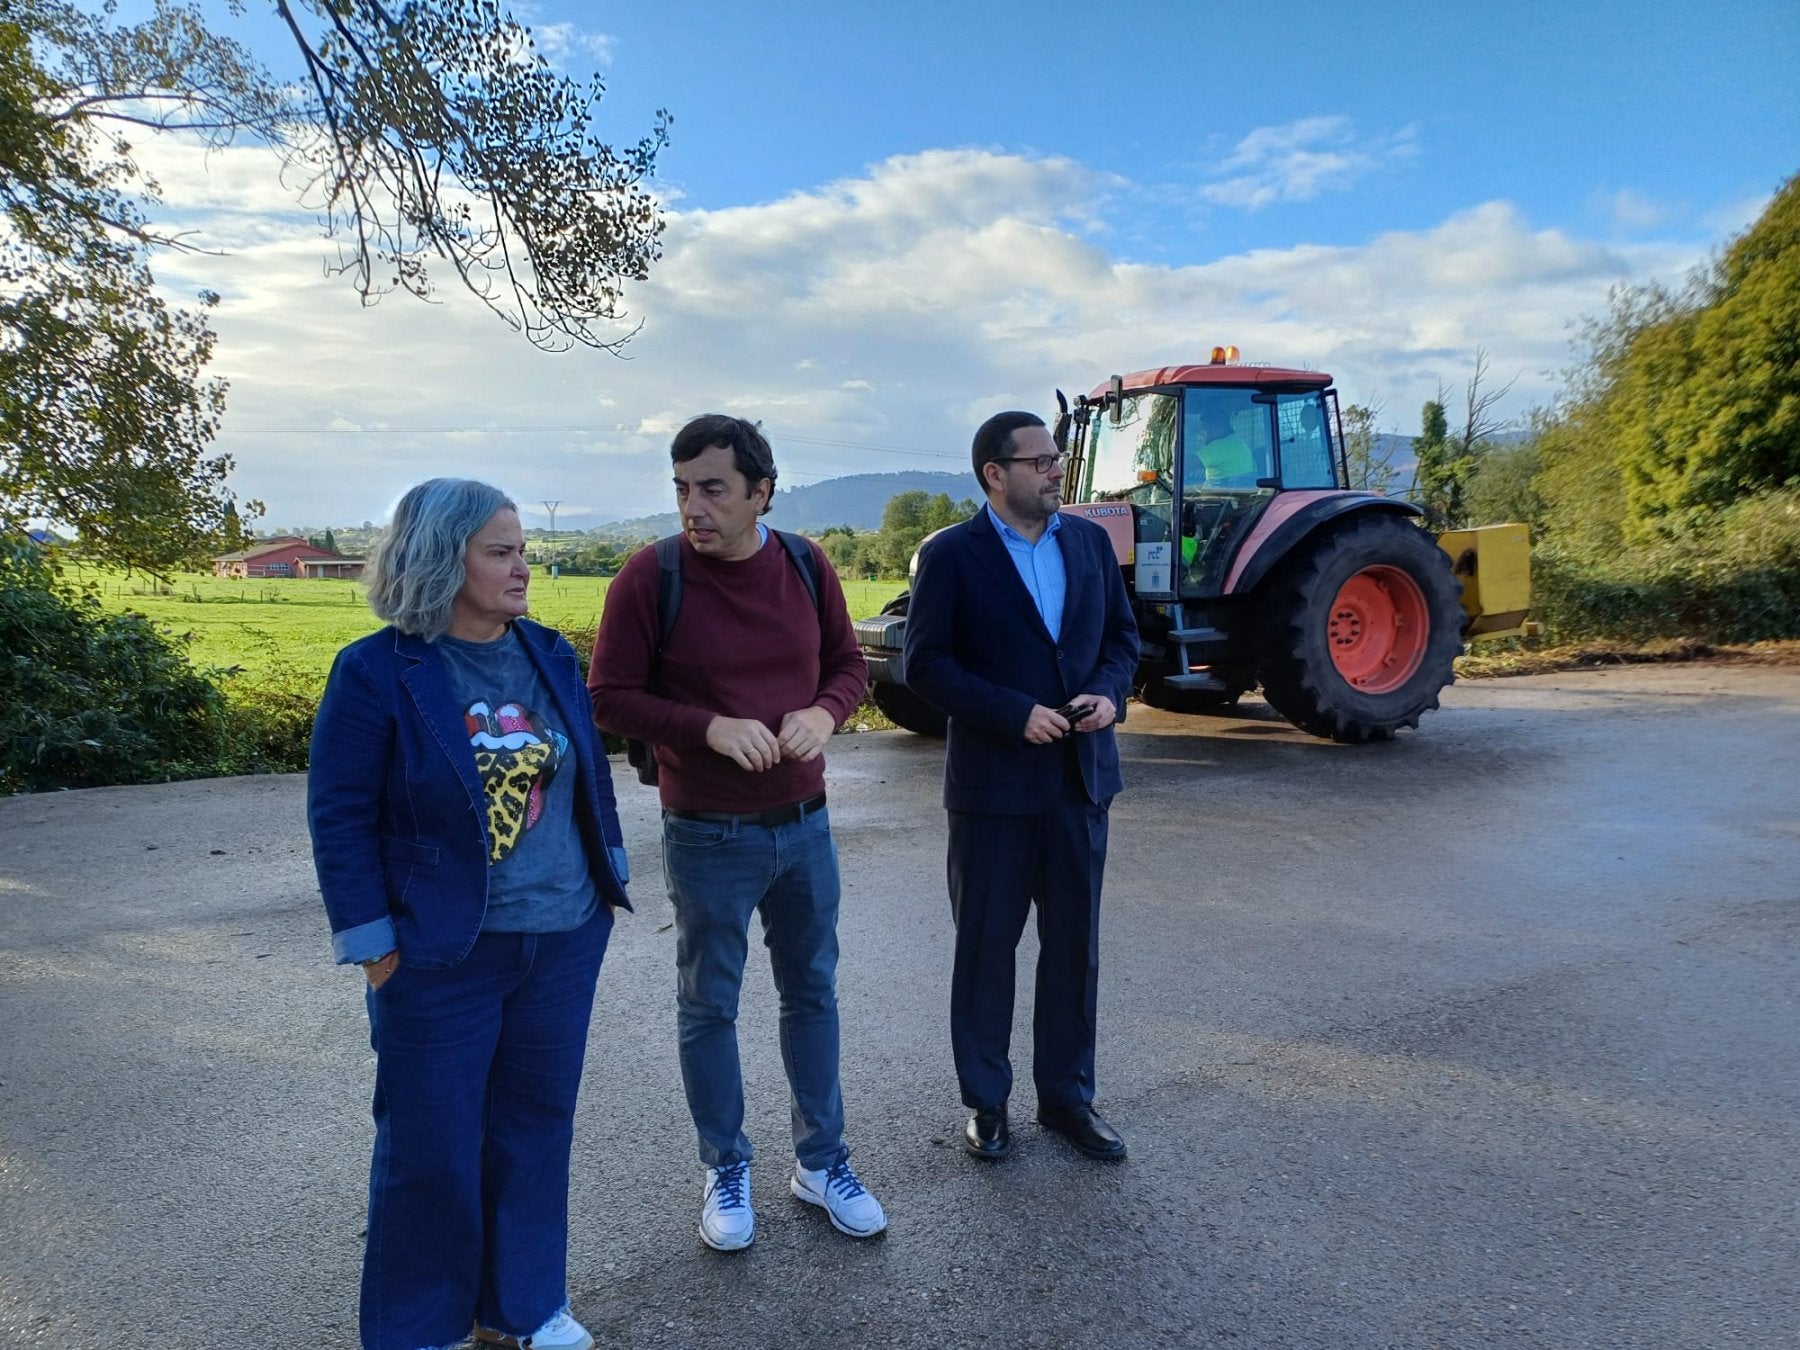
x=727, y=1223
x=837, y=1191
x=561, y=1332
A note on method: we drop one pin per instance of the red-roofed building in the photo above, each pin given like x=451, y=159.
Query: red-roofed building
x=286, y=557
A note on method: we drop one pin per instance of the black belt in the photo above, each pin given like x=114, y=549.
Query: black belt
x=775, y=815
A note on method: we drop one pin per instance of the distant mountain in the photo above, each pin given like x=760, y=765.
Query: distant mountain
x=856, y=501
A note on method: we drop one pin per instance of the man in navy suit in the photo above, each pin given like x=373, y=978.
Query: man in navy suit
x=1020, y=630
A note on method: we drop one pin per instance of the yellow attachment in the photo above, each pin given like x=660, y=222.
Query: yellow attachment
x=1493, y=563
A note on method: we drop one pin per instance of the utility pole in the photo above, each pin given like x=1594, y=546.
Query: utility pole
x=551, y=506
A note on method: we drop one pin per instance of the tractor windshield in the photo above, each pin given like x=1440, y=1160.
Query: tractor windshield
x=1133, y=459
x=1228, y=474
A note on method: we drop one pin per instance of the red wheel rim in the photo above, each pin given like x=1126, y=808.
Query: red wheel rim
x=1379, y=628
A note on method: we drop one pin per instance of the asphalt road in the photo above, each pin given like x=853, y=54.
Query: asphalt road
x=1486, y=1037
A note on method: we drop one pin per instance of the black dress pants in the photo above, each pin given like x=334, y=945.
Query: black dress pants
x=999, y=866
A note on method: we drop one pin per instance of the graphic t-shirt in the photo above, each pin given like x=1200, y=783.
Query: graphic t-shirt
x=538, y=879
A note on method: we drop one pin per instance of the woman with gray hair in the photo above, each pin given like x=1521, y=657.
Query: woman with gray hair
x=470, y=859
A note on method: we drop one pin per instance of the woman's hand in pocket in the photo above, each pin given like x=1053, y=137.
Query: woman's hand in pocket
x=380, y=971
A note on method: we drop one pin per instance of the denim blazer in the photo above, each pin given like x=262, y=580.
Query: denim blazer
x=396, y=807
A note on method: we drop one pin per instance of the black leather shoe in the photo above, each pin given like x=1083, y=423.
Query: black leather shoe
x=1083, y=1127
x=986, y=1135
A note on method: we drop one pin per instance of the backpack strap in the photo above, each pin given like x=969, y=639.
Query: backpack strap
x=800, y=550
x=668, y=588
x=640, y=754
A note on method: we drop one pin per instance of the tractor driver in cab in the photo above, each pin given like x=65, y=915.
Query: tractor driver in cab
x=1218, y=457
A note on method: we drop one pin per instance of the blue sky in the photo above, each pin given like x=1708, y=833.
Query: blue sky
x=1555, y=107
x=888, y=220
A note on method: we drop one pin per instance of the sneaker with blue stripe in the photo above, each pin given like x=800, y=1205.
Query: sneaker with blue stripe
x=727, y=1223
x=843, y=1197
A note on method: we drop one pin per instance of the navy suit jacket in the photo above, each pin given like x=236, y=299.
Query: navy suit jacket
x=396, y=806
x=978, y=649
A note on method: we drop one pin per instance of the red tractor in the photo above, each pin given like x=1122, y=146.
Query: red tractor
x=1252, y=563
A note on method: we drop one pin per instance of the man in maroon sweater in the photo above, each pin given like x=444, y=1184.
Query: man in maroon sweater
x=739, y=704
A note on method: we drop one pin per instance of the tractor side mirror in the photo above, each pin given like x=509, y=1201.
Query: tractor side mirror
x=1115, y=400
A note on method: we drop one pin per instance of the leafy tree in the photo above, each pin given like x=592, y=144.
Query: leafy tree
x=1581, y=482
x=941, y=512
x=905, y=511
x=905, y=521
x=428, y=136
x=1434, y=471
x=104, y=418
x=845, y=551
x=903, y=525
x=594, y=560
x=1502, y=487
x=1709, y=402
x=1682, y=401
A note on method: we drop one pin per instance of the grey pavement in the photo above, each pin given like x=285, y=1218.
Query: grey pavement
x=1487, y=1037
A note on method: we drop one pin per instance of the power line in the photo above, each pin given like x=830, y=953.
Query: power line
x=521, y=431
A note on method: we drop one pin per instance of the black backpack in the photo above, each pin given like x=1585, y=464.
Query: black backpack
x=640, y=754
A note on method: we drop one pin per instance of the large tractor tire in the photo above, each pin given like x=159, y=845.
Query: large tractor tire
x=1362, y=628
x=899, y=704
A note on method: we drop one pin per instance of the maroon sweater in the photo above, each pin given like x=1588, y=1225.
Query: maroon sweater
x=747, y=643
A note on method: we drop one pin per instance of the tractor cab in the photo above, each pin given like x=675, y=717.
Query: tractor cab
x=1199, y=452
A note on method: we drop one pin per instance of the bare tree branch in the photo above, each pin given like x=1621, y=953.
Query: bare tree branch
x=1479, y=422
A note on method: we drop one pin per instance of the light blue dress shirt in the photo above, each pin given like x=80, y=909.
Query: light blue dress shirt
x=1040, y=567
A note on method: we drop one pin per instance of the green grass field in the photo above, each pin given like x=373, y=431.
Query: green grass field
x=294, y=627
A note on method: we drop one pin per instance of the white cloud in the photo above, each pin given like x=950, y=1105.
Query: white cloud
x=1298, y=161
x=870, y=323
x=1628, y=211
x=560, y=41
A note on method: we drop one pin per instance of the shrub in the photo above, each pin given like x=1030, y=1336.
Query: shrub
x=1726, y=577
x=89, y=698
x=268, y=720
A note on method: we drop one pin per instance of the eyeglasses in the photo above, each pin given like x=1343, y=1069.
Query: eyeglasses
x=1042, y=463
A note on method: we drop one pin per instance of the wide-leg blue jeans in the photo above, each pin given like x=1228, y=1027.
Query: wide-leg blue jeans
x=718, y=874
x=476, y=1074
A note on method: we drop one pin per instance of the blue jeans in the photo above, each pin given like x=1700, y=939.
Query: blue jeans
x=718, y=874
x=476, y=1073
